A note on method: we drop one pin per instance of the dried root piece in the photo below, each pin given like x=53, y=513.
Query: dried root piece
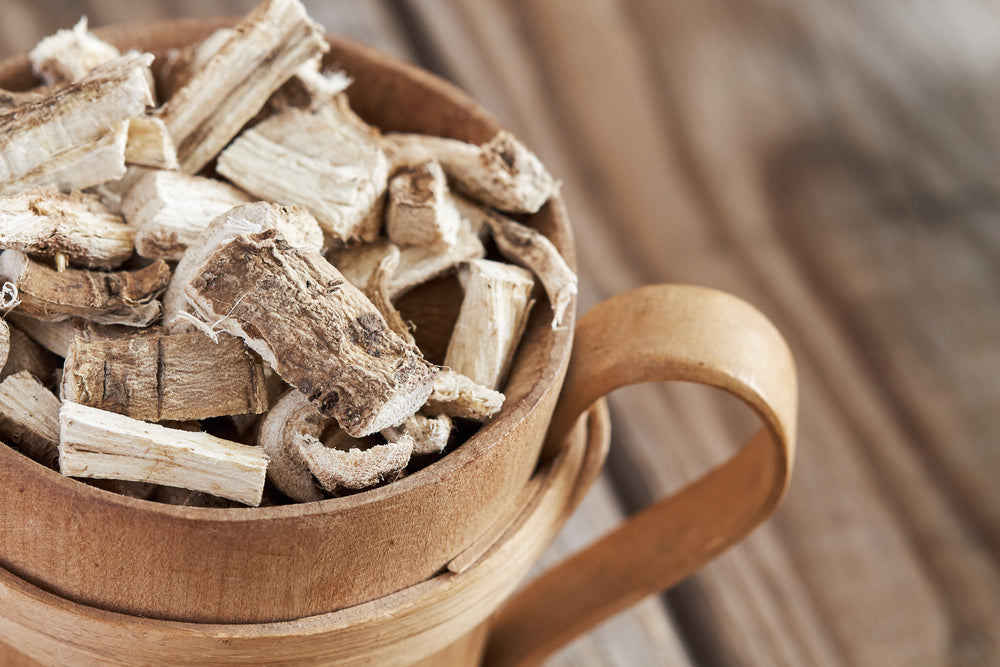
x=430, y=435
x=421, y=212
x=291, y=416
x=26, y=355
x=69, y=55
x=170, y=209
x=156, y=377
x=529, y=248
x=4, y=343
x=122, y=297
x=262, y=52
x=75, y=138
x=97, y=443
x=456, y=395
x=354, y=469
x=494, y=312
x=501, y=173
x=44, y=221
x=179, y=65
x=150, y=144
x=378, y=291
x=113, y=192
x=316, y=330
x=28, y=417
x=317, y=161
x=295, y=225
x=417, y=265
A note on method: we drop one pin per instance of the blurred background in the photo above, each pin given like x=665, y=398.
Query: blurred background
x=836, y=163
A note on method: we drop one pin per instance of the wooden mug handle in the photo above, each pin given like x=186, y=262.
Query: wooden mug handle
x=657, y=333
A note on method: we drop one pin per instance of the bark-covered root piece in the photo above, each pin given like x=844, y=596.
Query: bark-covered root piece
x=493, y=316
x=297, y=226
x=378, y=291
x=97, y=443
x=456, y=395
x=316, y=330
x=421, y=212
x=531, y=249
x=501, y=173
x=120, y=297
x=158, y=377
x=354, y=469
x=29, y=417
x=291, y=416
x=223, y=94
x=45, y=221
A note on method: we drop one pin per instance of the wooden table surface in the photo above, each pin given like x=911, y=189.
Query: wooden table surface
x=838, y=165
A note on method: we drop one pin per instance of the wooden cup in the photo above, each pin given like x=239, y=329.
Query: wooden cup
x=416, y=568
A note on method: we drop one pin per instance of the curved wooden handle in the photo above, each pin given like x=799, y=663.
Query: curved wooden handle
x=657, y=333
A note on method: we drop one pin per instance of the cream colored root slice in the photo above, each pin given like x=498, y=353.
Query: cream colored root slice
x=501, y=173
x=170, y=209
x=421, y=212
x=316, y=160
x=456, y=395
x=354, y=469
x=121, y=297
x=69, y=55
x=263, y=51
x=4, y=343
x=150, y=144
x=45, y=221
x=531, y=249
x=316, y=330
x=75, y=137
x=417, y=265
x=297, y=226
x=491, y=320
x=29, y=417
x=157, y=377
x=291, y=416
x=430, y=435
x=101, y=444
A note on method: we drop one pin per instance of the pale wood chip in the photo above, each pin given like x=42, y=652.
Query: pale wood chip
x=4, y=342
x=417, y=265
x=179, y=65
x=493, y=316
x=170, y=210
x=159, y=377
x=263, y=51
x=69, y=55
x=75, y=137
x=501, y=173
x=113, y=192
x=298, y=227
x=421, y=212
x=456, y=395
x=316, y=160
x=29, y=417
x=430, y=434
x=150, y=144
x=97, y=443
x=292, y=415
x=531, y=249
x=316, y=330
x=45, y=221
x=120, y=297
x=354, y=469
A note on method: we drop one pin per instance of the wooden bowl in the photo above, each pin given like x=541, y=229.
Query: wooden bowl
x=281, y=563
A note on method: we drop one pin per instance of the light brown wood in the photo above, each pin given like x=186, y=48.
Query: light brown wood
x=29, y=417
x=26, y=355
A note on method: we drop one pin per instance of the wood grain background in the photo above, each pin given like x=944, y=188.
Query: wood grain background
x=838, y=165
